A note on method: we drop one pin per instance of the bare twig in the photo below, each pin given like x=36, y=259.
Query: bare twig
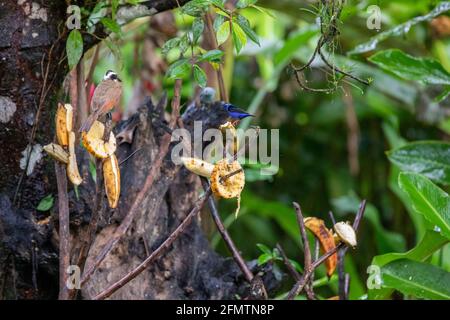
x=306, y=248
x=341, y=272
x=224, y=233
x=128, y=157
x=301, y=224
x=288, y=264
x=347, y=286
x=64, y=234
x=154, y=171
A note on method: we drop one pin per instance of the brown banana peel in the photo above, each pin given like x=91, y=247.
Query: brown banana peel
x=64, y=123
x=111, y=176
x=326, y=239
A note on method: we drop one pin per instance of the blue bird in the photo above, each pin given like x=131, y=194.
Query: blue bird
x=235, y=113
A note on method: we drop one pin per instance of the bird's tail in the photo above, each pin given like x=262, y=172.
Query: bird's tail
x=87, y=124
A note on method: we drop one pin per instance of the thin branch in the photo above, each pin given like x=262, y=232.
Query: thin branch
x=301, y=224
x=347, y=286
x=306, y=248
x=288, y=264
x=64, y=233
x=128, y=157
x=224, y=233
x=154, y=171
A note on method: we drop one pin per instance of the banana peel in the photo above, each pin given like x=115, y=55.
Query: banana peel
x=230, y=187
x=72, y=167
x=94, y=144
x=57, y=152
x=111, y=176
x=64, y=123
x=197, y=166
x=326, y=239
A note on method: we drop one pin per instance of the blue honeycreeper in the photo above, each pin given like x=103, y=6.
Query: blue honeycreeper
x=235, y=113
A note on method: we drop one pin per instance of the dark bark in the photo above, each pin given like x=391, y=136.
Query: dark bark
x=32, y=68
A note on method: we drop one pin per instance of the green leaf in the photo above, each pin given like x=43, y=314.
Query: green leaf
x=419, y=279
x=245, y=25
x=223, y=32
x=219, y=4
x=197, y=29
x=239, y=37
x=264, y=258
x=114, y=6
x=424, y=70
x=179, y=69
x=46, y=203
x=111, y=25
x=297, y=266
x=263, y=10
x=401, y=29
x=245, y=3
x=430, y=243
x=184, y=43
x=212, y=56
x=74, y=48
x=218, y=21
x=93, y=170
x=427, y=199
x=169, y=45
x=264, y=248
x=430, y=158
x=444, y=95
x=200, y=76
x=195, y=8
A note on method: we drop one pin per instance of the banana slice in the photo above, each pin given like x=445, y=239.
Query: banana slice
x=93, y=141
x=72, y=167
x=197, y=166
x=57, y=152
x=230, y=187
x=64, y=118
x=111, y=175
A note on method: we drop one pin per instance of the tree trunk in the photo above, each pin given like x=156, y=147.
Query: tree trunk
x=32, y=67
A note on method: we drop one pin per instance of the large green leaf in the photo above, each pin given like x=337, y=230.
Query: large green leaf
x=430, y=158
x=401, y=29
x=419, y=279
x=427, y=199
x=74, y=47
x=424, y=70
x=430, y=243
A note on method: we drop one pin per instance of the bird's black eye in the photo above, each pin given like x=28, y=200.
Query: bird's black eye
x=113, y=77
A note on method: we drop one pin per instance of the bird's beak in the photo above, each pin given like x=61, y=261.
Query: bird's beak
x=120, y=80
